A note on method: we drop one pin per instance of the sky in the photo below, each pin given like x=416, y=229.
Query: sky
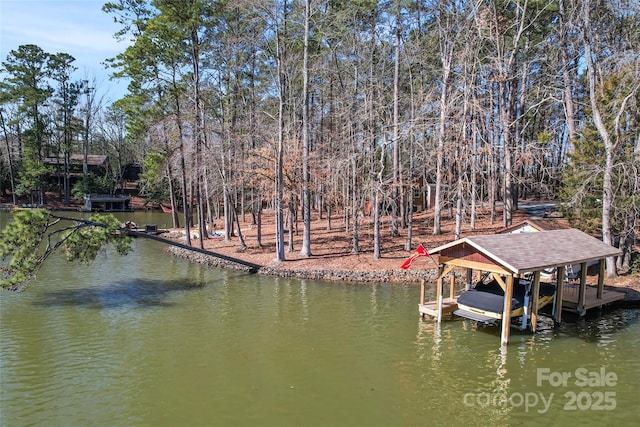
x=77, y=27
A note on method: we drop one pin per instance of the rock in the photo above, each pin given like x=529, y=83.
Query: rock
x=277, y=269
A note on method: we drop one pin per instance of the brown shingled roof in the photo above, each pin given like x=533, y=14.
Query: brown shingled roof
x=540, y=224
x=525, y=252
x=92, y=159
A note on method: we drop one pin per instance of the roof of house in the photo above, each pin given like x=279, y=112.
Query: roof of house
x=92, y=159
x=540, y=224
x=525, y=252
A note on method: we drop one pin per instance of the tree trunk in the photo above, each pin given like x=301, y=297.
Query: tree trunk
x=607, y=186
x=9, y=156
x=355, y=244
x=183, y=170
x=566, y=76
x=305, y=251
x=446, y=57
x=395, y=192
x=376, y=225
x=279, y=193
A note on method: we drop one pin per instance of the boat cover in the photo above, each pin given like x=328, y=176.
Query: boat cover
x=490, y=296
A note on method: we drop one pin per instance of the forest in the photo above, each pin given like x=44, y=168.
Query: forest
x=304, y=108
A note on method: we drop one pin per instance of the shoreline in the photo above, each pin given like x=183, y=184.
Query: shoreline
x=335, y=263
x=395, y=276
x=276, y=269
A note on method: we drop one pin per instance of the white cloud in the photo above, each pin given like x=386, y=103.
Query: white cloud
x=70, y=26
x=77, y=27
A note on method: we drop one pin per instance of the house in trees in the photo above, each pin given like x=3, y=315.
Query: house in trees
x=424, y=194
x=128, y=183
x=97, y=164
x=423, y=197
x=131, y=172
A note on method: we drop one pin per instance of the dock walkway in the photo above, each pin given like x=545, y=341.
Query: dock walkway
x=571, y=295
x=570, y=299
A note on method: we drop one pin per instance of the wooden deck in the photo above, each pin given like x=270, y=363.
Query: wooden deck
x=571, y=295
x=570, y=298
x=449, y=305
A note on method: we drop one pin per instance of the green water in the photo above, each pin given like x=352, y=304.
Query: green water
x=152, y=340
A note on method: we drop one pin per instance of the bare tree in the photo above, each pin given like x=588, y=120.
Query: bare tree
x=610, y=144
x=305, y=251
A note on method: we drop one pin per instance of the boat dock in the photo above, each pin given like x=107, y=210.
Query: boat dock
x=570, y=301
x=509, y=258
x=431, y=308
x=107, y=203
x=571, y=297
x=449, y=305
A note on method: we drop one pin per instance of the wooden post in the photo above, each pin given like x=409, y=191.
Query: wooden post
x=506, y=312
x=469, y=278
x=452, y=287
x=535, y=302
x=557, y=315
x=600, y=290
x=583, y=289
x=439, y=295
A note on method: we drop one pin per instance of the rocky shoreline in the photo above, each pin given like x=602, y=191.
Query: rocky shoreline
x=399, y=276
x=276, y=268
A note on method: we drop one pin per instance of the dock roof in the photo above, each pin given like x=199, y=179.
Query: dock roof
x=525, y=252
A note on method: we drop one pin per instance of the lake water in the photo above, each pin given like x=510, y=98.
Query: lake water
x=153, y=340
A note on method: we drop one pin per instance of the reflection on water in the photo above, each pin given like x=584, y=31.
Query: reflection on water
x=600, y=329
x=155, y=340
x=140, y=293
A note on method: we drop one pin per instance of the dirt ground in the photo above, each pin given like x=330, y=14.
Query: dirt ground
x=331, y=248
